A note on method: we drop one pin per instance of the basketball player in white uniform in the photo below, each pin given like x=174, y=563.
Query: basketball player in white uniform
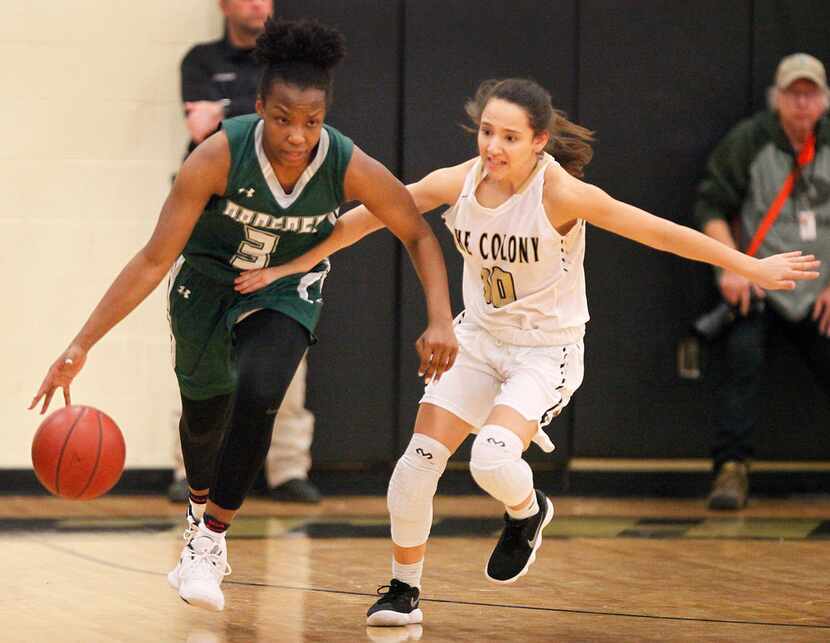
x=518, y=217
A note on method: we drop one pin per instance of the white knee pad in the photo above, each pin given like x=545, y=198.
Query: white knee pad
x=412, y=487
x=497, y=466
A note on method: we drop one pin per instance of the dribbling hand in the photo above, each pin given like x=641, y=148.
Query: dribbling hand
x=60, y=375
x=437, y=348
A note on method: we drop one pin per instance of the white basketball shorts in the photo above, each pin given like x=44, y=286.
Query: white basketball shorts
x=536, y=381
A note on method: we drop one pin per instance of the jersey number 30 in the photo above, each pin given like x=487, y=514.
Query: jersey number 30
x=499, y=289
x=255, y=251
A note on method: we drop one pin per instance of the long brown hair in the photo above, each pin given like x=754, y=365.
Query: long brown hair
x=569, y=143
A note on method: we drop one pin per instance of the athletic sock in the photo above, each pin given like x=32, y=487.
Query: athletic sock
x=197, y=505
x=409, y=574
x=215, y=526
x=531, y=510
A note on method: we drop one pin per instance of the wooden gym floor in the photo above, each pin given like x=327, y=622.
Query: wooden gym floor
x=621, y=570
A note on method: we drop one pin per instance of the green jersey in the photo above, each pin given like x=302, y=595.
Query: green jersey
x=255, y=224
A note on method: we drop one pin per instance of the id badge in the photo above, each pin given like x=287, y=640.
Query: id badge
x=807, y=225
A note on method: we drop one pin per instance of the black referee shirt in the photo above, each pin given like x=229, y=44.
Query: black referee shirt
x=217, y=70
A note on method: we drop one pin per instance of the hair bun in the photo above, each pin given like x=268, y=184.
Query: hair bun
x=300, y=41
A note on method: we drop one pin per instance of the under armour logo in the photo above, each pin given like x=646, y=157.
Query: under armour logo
x=498, y=443
x=184, y=292
x=426, y=454
x=248, y=192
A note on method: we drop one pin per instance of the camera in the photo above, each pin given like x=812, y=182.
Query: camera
x=713, y=324
x=692, y=351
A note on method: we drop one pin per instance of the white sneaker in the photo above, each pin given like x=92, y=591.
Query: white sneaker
x=202, y=566
x=190, y=530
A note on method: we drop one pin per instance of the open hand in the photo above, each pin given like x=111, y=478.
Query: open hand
x=60, y=375
x=780, y=272
x=437, y=348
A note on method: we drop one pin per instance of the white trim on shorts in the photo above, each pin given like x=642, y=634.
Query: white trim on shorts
x=175, y=269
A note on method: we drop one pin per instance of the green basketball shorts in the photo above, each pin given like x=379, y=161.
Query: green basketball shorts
x=202, y=313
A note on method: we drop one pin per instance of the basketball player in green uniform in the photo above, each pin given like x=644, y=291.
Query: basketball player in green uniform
x=262, y=191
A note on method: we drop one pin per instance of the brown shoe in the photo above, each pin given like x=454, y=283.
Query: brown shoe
x=731, y=487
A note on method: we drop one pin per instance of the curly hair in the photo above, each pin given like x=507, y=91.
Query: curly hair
x=303, y=53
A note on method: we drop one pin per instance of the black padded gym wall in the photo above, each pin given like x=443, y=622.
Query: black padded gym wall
x=660, y=82
x=352, y=370
x=450, y=47
x=782, y=27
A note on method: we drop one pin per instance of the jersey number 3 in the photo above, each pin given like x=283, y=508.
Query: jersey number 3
x=499, y=289
x=255, y=250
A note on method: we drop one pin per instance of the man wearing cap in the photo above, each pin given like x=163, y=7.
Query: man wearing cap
x=779, y=157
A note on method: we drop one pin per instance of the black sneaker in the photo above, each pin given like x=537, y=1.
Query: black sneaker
x=516, y=549
x=296, y=490
x=398, y=605
x=178, y=491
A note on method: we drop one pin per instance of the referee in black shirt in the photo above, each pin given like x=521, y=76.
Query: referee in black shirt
x=219, y=78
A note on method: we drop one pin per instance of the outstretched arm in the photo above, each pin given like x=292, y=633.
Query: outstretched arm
x=203, y=174
x=438, y=188
x=567, y=198
x=373, y=185
x=349, y=229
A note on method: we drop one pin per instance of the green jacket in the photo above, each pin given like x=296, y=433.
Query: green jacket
x=744, y=175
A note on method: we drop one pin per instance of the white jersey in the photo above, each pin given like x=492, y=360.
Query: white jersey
x=523, y=281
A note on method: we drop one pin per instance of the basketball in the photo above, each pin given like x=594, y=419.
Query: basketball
x=78, y=453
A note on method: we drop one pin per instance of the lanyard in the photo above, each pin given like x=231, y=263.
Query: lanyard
x=805, y=156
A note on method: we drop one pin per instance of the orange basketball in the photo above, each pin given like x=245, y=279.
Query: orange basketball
x=78, y=453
